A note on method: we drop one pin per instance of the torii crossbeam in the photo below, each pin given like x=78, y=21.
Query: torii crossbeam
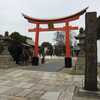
x=50, y=22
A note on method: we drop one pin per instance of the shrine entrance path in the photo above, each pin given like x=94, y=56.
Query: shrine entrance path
x=28, y=83
x=50, y=65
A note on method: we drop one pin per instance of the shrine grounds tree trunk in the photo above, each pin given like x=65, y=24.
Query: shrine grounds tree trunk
x=91, y=52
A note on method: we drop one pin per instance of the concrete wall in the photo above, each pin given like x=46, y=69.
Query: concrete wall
x=98, y=50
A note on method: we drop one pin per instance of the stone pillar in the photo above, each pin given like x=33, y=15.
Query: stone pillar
x=91, y=52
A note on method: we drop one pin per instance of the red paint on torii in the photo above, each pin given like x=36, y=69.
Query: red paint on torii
x=66, y=28
x=54, y=29
x=57, y=20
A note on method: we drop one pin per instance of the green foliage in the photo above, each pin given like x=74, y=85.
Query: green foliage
x=49, y=46
x=17, y=37
x=46, y=44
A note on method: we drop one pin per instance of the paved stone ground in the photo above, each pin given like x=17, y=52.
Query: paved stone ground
x=36, y=83
x=19, y=84
x=85, y=98
x=81, y=94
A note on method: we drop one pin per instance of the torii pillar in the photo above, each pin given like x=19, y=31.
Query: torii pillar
x=68, y=60
x=35, y=59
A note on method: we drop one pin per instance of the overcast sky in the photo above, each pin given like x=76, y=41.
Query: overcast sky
x=11, y=19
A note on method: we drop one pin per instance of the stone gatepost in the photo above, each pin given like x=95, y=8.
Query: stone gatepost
x=91, y=52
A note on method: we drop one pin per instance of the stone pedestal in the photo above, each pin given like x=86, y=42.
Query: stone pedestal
x=35, y=61
x=68, y=62
x=6, y=59
x=79, y=92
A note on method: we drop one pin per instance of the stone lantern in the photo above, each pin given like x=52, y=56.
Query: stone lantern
x=6, y=59
x=81, y=38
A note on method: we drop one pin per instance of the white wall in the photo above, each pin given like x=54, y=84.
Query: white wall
x=98, y=50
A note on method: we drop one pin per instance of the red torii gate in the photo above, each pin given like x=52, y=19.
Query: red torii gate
x=50, y=23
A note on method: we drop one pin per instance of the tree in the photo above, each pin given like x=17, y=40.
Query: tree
x=16, y=46
x=48, y=46
x=18, y=38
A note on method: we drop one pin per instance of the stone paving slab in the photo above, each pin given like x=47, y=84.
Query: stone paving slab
x=81, y=94
x=84, y=98
x=50, y=96
x=12, y=91
x=30, y=84
x=22, y=84
x=24, y=93
x=3, y=89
